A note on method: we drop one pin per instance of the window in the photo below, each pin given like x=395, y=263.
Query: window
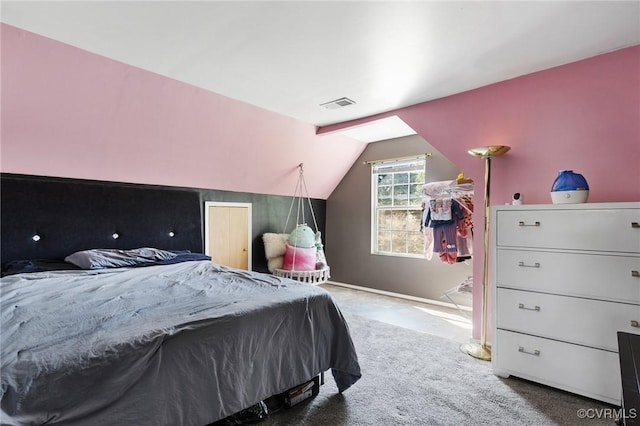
x=397, y=206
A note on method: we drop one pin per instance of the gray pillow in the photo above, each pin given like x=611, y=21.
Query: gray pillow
x=115, y=258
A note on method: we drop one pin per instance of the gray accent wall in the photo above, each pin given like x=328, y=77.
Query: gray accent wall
x=348, y=236
x=269, y=214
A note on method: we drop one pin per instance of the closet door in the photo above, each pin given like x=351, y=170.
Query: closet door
x=228, y=234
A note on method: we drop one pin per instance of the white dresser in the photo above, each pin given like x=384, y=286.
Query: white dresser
x=565, y=280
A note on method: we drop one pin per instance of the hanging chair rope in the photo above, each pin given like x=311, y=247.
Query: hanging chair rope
x=299, y=194
x=317, y=276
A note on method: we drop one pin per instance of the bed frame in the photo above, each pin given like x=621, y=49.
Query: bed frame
x=50, y=218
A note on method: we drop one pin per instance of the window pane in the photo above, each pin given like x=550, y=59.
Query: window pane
x=415, y=195
x=385, y=220
x=384, y=195
x=415, y=201
x=385, y=179
x=415, y=190
x=384, y=241
x=414, y=218
x=399, y=242
x=399, y=178
x=417, y=177
x=400, y=195
x=415, y=243
x=399, y=220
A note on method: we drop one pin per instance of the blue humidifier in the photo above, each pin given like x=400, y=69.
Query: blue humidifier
x=569, y=188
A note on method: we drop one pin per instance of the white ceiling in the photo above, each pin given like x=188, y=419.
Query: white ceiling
x=290, y=57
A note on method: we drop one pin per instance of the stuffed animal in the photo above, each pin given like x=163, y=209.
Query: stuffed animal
x=304, y=250
x=321, y=259
x=302, y=236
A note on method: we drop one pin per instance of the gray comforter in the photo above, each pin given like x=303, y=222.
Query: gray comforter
x=183, y=344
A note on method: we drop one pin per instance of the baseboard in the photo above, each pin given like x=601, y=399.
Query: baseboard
x=399, y=295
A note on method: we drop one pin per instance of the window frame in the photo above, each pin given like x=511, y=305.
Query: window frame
x=376, y=208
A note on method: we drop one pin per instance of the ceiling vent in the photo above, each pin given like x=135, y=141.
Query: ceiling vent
x=338, y=103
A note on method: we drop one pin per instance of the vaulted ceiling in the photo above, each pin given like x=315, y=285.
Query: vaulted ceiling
x=291, y=57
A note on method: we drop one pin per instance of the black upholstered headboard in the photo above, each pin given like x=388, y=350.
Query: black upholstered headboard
x=50, y=218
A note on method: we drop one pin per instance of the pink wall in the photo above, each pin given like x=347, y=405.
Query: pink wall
x=583, y=116
x=70, y=113
x=66, y=112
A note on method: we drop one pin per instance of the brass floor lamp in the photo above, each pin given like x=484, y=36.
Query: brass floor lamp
x=481, y=350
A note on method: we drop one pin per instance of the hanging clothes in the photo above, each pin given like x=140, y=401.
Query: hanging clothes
x=442, y=217
x=465, y=228
x=447, y=222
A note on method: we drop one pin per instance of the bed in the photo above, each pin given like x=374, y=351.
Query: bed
x=179, y=340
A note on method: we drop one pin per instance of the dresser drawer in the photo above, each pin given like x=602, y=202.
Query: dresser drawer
x=612, y=277
x=585, y=229
x=581, y=321
x=586, y=371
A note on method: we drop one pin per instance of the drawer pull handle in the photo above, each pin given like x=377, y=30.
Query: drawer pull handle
x=535, y=308
x=635, y=224
x=635, y=273
x=535, y=265
x=521, y=223
x=524, y=351
x=635, y=323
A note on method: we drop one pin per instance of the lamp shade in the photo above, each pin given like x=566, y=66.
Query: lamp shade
x=489, y=151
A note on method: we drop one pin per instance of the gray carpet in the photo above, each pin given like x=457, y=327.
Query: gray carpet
x=413, y=378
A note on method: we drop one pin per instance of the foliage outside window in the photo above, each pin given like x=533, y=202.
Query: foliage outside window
x=397, y=207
